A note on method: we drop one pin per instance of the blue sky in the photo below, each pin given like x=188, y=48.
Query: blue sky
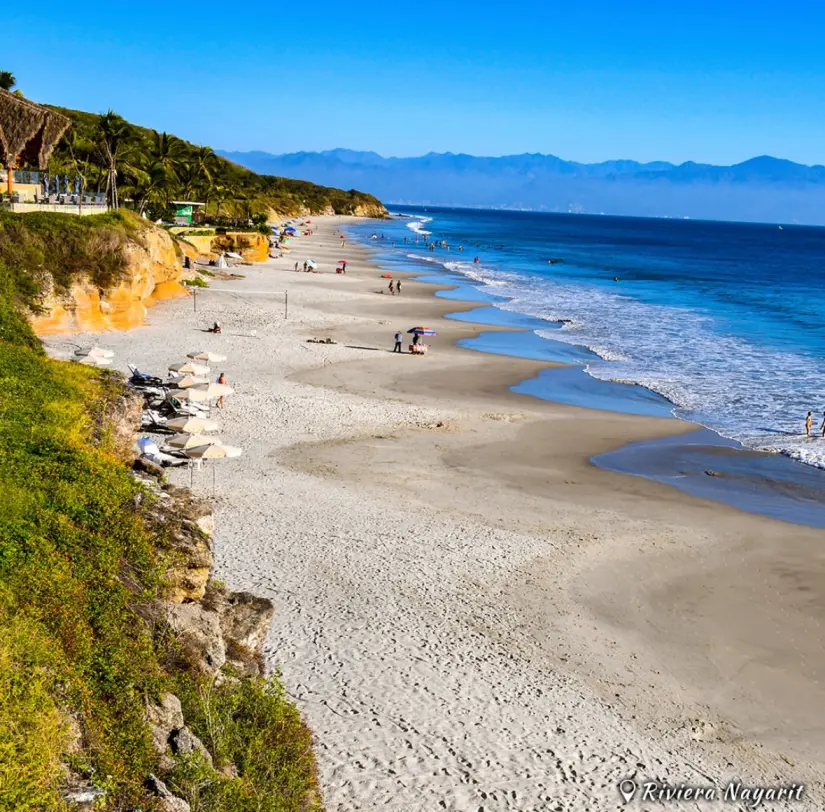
x=715, y=82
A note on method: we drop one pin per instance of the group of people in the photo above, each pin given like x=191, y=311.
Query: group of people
x=394, y=287
x=399, y=340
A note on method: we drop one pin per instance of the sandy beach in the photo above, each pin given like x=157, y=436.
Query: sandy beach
x=470, y=614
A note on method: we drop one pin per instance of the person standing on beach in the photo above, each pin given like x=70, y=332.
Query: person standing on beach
x=305, y=266
x=398, y=286
x=809, y=423
x=392, y=289
x=823, y=424
x=398, y=339
x=221, y=401
x=296, y=267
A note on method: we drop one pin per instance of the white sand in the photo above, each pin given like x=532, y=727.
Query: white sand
x=425, y=645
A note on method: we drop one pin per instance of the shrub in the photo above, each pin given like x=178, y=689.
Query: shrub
x=253, y=726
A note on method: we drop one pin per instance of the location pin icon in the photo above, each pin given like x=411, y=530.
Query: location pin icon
x=627, y=789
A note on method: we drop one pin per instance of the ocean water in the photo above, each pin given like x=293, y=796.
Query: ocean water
x=726, y=321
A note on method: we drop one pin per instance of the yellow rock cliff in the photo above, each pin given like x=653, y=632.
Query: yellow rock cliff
x=153, y=273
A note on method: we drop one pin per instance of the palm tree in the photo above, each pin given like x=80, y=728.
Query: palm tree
x=206, y=161
x=7, y=80
x=114, y=132
x=169, y=152
x=145, y=181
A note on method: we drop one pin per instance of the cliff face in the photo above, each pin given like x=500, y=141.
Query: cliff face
x=252, y=246
x=375, y=210
x=152, y=274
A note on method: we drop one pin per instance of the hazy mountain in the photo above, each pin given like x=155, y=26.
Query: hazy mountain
x=764, y=189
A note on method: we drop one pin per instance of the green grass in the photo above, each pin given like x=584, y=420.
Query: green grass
x=42, y=246
x=253, y=726
x=80, y=559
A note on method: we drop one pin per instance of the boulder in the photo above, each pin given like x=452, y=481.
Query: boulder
x=163, y=718
x=245, y=620
x=184, y=742
x=199, y=633
x=83, y=799
x=167, y=801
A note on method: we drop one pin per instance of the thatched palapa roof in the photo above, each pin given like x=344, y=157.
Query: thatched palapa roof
x=29, y=132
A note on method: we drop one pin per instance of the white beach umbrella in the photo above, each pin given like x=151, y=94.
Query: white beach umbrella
x=190, y=368
x=94, y=352
x=190, y=380
x=213, y=452
x=192, y=425
x=192, y=394
x=205, y=355
x=216, y=390
x=186, y=440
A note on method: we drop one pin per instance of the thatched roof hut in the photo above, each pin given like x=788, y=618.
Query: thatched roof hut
x=29, y=132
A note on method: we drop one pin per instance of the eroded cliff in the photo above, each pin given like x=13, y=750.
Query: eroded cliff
x=151, y=272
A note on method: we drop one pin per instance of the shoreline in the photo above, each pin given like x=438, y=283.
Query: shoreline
x=754, y=481
x=468, y=610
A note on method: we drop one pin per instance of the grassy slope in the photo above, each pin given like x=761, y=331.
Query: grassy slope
x=282, y=195
x=78, y=560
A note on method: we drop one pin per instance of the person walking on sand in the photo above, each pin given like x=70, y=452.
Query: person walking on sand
x=809, y=423
x=221, y=401
x=398, y=340
x=823, y=424
x=392, y=289
x=398, y=286
x=305, y=266
x=296, y=267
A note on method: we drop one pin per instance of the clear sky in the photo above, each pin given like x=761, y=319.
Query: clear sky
x=707, y=81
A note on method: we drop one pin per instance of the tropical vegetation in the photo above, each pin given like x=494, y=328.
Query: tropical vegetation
x=145, y=170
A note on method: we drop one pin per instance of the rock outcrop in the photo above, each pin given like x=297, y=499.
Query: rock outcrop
x=153, y=273
x=251, y=245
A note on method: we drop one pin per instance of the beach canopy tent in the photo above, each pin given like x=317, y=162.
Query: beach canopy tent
x=216, y=390
x=190, y=380
x=205, y=355
x=213, y=452
x=190, y=368
x=185, y=440
x=94, y=352
x=192, y=394
x=222, y=262
x=192, y=425
x=29, y=132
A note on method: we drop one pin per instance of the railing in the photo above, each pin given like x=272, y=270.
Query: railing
x=62, y=208
x=21, y=176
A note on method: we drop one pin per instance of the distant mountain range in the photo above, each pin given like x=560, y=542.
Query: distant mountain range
x=761, y=189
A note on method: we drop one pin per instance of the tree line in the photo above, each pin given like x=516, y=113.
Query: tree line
x=144, y=169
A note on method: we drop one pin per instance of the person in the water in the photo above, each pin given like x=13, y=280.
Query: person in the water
x=809, y=423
